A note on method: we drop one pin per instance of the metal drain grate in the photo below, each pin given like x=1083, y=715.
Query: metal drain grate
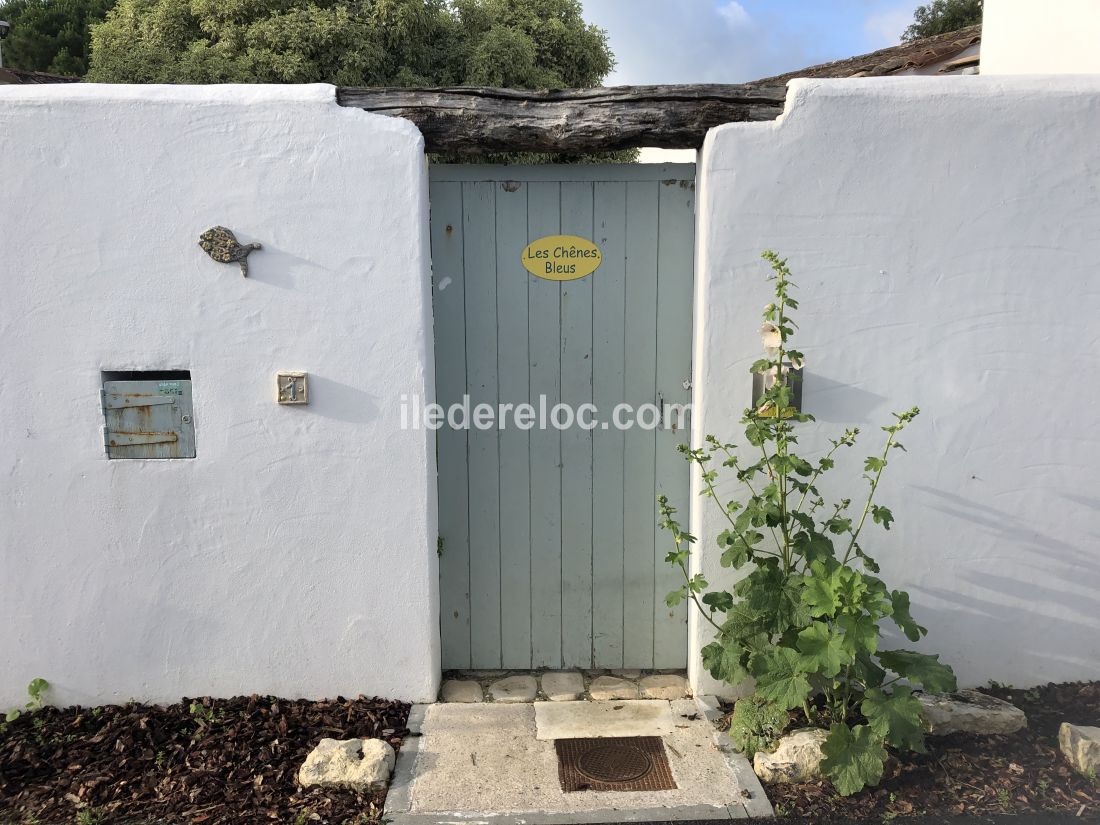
x=636, y=763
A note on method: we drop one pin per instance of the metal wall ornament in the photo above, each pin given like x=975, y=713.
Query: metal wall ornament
x=222, y=245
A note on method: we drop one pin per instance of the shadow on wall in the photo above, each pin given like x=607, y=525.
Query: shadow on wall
x=1036, y=613
x=835, y=402
x=340, y=402
x=276, y=267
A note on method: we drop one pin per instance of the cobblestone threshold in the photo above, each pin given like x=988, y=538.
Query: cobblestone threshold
x=562, y=685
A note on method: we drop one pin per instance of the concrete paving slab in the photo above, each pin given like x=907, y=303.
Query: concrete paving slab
x=589, y=720
x=482, y=763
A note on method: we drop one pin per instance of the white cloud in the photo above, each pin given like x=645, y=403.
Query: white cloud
x=734, y=14
x=884, y=28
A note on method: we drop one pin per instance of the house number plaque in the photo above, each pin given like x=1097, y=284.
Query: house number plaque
x=292, y=388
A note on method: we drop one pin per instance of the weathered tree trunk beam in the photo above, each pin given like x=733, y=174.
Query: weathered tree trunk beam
x=474, y=120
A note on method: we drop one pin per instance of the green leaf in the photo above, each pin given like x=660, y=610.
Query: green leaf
x=774, y=597
x=802, y=466
x=723, y=662
x=819, y=590
x=741, y=621
x=868, y=562
x=738, y=547
x=757, y=725
x=928, y=671
x=823, y=651
x=867, y=671
x=853, y=758
x=719, y=600
x=676, y=557
x=881, y=515
x=895, y=716
x=899, y=599
x=851, y=588
x=675, y=597
x=860, y=632
x=780, y=678
x=755, y=434
x=873, y=465
x=813, y=546
x=803, y=519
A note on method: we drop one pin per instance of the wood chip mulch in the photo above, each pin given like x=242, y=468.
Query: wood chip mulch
x=969, y=775
x=201, y=761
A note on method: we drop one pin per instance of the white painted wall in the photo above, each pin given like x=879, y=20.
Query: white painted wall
x=1022, y=37
x=296, y=554
x=945, y=235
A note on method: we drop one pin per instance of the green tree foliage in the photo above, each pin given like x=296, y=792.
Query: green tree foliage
x=943, y=16
x=51, y=35
x=804, y=620
x=528, y=44
x=524, y=44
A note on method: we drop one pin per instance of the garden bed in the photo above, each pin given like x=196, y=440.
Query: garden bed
x=201, y=761
x=968, y=775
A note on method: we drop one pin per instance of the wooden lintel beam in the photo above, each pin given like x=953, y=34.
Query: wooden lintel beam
x=475, y=120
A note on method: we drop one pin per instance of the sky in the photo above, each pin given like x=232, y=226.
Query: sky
x=734, y=41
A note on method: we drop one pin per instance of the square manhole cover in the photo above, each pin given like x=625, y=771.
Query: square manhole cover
x=635, y=763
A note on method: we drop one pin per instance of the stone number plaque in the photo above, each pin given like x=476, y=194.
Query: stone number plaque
x=292, y=387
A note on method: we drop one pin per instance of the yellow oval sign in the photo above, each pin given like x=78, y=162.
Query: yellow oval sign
x=561, y=257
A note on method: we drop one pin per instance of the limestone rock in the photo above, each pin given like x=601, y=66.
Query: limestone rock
x=968, y=711
x=1080, y=744
x=664, y=686
x=359, y=764
x=461, y=690
x=604, y=688
x=796, y=759
x=563, y=686
x=514, y=689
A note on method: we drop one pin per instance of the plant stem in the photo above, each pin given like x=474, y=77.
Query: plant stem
x=817, y=474
x=695, y=598
x=733, y=523
x=871, y=494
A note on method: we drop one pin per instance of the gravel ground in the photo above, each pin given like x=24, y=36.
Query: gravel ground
x=202, y=761
x=973, y=776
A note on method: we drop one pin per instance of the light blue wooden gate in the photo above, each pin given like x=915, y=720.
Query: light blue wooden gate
x=550, y=554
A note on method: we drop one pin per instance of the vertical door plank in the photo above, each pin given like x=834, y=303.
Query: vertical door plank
x=544, y=307
x=639, y=507
x=448, y=296
x=675, y=267
x=608, y=312
x=479, y=264
x=576, y=442
x=515, y=458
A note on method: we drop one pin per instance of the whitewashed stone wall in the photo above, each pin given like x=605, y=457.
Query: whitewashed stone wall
x=296, y=554
x=945, y=236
